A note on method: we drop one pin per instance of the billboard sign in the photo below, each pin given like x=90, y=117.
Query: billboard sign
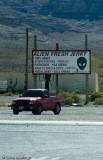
x=61, y=62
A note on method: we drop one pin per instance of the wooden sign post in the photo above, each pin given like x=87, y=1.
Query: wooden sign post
x=26, y=62
x=47, y=80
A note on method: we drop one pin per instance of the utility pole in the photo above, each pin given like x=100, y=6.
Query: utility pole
x=57, y=48
x=26, y=62
x=35, y=48
x=86, y=47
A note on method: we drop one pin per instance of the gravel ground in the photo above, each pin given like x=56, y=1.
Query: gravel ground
x=73, y=113
x=7, y=98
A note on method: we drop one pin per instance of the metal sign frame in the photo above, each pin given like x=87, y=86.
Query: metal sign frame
x=82, y=58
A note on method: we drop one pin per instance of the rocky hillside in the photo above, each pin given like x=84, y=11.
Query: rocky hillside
x=74, y=9
x=66, y=9
x=61, y=21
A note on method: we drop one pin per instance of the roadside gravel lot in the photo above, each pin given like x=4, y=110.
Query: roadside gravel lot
x=7, y=98
x=73, y=113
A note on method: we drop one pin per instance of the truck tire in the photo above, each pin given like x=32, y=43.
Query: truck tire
x=39, y=109
x=57, y=109
x=33, y=112
x=15, y=111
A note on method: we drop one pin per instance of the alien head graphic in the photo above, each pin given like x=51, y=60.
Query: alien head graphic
x=82, y=62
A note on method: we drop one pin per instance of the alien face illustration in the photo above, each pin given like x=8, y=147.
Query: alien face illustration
x=82, y=62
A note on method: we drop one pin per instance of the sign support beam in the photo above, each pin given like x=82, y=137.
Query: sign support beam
x=86, y=47
x=57, y=48
x=35, y=48
x=26, y=62
x=47, y=80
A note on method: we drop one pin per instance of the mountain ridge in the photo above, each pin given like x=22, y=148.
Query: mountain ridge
x=74, y=9
x=47, y=19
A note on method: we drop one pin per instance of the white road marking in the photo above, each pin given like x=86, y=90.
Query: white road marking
x=50, y=122
x=46, y=158
x=43, y=158
x=58, y=158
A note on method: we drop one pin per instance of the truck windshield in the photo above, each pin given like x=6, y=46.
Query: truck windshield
x=31, y=93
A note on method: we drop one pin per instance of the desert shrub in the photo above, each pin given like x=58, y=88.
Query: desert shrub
x=76, y=98
x=2, y=91
x=62, y=94
x=68, y=101
x=9, y=94
x=53, y=92
x=76, y=91
x=71, y=98
x=95, y=95
x=98, y=101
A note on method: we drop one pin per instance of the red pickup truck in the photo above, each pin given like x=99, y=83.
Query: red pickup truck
x=37, y=101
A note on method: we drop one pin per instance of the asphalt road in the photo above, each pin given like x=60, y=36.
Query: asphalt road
x=76, y=133
x=51, y=141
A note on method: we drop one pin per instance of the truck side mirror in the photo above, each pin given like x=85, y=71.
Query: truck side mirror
x=45, y=96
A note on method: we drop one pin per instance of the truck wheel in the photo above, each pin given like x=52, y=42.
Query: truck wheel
x=33, y=112
x=57, y=109
x=15, y=111
x=39, y=109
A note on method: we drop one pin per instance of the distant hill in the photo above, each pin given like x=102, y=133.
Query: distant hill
x=61, y=21
x=74, y=9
